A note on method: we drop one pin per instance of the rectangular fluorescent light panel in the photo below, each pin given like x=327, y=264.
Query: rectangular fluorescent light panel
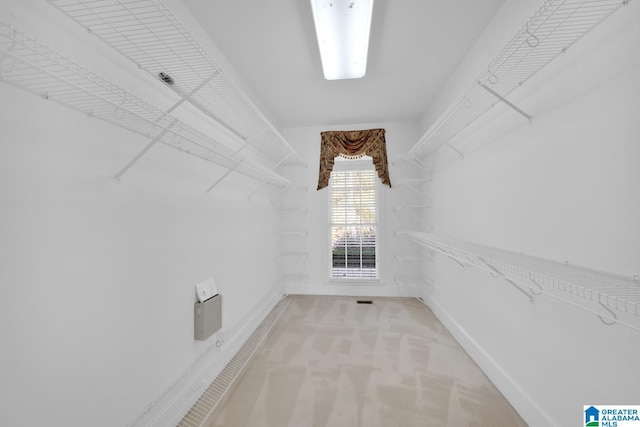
x=343, y=27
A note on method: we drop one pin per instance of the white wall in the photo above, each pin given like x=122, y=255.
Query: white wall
x=84, y=342
x=306, y=141
x=563, y=188
x=97, y=278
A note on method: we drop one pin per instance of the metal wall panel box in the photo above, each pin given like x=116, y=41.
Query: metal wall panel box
x=208, y=317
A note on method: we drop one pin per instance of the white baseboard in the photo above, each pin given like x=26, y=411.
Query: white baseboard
x=171, y=406
x=357, y=289
x=528, y=408
x=176, y=401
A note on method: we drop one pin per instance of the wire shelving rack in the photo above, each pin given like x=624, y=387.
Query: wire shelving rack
x=150, y=35
x=29, y=64
x=554, y=28
x=604, y=294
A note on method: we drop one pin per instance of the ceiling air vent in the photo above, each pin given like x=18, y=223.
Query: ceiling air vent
x=362, y=301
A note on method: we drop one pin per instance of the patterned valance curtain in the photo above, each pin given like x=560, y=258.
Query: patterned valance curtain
x=353, y=144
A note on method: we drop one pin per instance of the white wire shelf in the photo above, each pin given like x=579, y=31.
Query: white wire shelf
x=413, y=184
x=400, y=208
x=534, y=276
x=406, y=157
x=407, y=258
x=555, y=27
x=29, y=64
x=147, y=33
x=404, y=258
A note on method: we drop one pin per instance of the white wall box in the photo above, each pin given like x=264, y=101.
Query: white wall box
x=207, y=317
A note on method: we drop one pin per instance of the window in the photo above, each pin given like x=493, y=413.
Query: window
x=353, y=220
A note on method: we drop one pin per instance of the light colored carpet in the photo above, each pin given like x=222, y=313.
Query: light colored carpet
x=332, y=362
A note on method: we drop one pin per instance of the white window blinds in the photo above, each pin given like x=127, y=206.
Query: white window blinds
x=353, y=224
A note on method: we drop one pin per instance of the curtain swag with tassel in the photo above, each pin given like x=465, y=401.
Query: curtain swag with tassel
x=353, y=144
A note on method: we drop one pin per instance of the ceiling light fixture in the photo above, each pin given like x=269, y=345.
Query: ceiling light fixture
x=342, y=27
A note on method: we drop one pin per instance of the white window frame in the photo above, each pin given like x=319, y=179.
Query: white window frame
x=364, y=163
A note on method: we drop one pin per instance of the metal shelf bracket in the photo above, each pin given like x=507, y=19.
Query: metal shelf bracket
x=460, y=153
x=138, y=156
x=499, y=275
x=230, y=169
x=505, y=100
x=607, y=321
x=143, y=152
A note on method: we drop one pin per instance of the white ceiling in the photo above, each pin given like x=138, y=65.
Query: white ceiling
x=415, y=45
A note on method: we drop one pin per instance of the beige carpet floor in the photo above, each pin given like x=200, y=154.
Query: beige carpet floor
x=332, y=362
